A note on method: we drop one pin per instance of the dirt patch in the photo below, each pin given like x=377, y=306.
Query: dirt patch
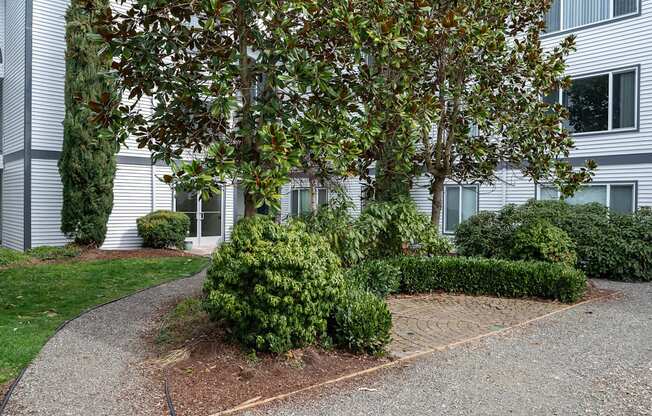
x=208, y=374
x=4, y=389
x=97, y=254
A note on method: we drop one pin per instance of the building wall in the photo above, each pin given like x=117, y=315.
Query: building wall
x=13, y=86
x=613, y=45
x=12, y=205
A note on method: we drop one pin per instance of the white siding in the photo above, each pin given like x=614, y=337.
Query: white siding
x=229, y=211
x=162, y=192
x=2, y=35
x=132, y=199
x=47, y=201
x=13, y=115
x=48, y=73
x=519, y=188
x=13, y=205
x=616, y=45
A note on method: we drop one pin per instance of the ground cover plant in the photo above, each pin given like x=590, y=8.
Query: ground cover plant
x=607, y=244
x=9, y=257
x=36, y=299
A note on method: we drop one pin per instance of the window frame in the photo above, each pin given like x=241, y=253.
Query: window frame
x=608, y=184
x=299, y=189
x=611, y=72
x=444, y=216
x=610, y=19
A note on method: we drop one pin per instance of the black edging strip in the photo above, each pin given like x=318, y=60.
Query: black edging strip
x=168, y=398
x=5, y=400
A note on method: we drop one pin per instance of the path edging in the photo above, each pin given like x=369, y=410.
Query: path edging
x=401, y=360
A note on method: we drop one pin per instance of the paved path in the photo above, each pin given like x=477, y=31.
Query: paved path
x=595, y=359
x=421, y=323
x=90, y=368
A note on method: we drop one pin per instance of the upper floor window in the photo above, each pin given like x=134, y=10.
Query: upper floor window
x=300, y=200
x=600, y=103
x=570, y=14
x=619, y=197
x=460, y=203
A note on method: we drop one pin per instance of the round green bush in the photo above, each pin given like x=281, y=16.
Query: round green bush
x=482, y=235
x=273, y=285
x=377, y=276
x=539, y=240
x=162, y=229
x=362, y=322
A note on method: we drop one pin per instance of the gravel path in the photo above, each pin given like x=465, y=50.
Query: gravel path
x=592, y=360
x=91, y=366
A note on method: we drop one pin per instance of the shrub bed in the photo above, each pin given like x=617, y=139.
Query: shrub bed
x=274, y=286
x=477, y=276
x=608, y=245
x=162, y=229
x=55, y=253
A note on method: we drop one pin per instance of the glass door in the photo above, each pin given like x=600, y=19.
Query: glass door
x=205, y=217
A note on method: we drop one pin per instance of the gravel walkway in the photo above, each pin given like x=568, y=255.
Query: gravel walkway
x=592, y=360
x=91, y=366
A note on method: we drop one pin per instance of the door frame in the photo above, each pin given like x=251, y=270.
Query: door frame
x=199, y=240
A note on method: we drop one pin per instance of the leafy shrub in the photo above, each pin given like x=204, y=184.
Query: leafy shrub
x=362, y=322
x=335, y=224
x=608, y=245
x=390, y=228
x=478, y=276
x=55, y=253
x=539, y=240
x=9, y=257
x=273, y=285
x=481, y=235
x=376, y=276
x=161, y=229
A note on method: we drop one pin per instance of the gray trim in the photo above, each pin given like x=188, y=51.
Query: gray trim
x=12, y=157
x=27, y=146
x=610, y=160
x=138, y=161
x=46, y=154
x=592, y=25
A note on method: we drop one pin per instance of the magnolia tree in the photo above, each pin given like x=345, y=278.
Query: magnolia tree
x=483, y=74
x=251, y=90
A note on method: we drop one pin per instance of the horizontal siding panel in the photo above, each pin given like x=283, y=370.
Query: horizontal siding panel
x=13, y=85
x=47, y=201
x=13, y=206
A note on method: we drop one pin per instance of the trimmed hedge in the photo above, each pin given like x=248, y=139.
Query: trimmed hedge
x=478, y=276
x=376, y=276
x=162, y=229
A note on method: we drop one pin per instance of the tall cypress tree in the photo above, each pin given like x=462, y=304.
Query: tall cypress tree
x=88, y=162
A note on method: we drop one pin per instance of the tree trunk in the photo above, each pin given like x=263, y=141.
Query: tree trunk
x=250, y=206
x=313, y=194
x=437, y=194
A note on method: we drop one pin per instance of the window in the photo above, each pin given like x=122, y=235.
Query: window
x=600, y=103
x=618, y=197
x=300, y=200
x=570, y=14
x=460, y=202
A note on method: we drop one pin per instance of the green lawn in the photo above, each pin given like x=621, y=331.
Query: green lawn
x=35, y=300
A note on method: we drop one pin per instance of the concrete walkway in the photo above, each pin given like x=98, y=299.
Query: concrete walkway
x=595, y=359
x=92, y=367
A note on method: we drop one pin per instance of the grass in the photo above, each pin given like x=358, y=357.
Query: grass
x=36, y=299
x=10, y=257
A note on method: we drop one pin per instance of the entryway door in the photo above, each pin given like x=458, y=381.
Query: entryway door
x=205, y=218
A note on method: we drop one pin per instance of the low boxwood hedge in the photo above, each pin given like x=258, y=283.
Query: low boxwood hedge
x=163, y=229
x=479, y=276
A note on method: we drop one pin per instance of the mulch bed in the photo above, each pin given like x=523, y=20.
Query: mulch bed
x=210, y=374
x=97, y=254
